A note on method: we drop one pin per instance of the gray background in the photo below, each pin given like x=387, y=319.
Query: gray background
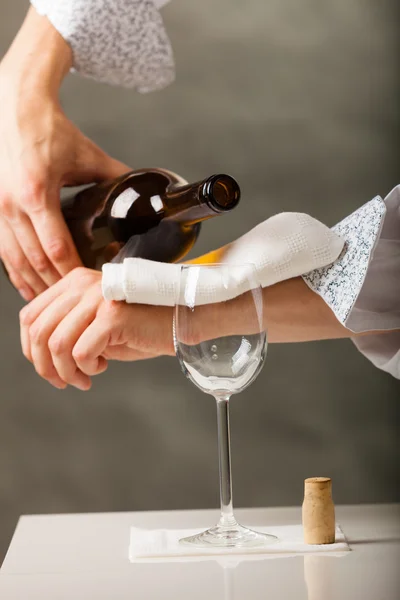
x=299, y=100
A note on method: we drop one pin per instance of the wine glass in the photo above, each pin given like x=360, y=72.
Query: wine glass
x=220, y=341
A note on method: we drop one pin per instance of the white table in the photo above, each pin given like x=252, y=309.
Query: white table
x=84, y=557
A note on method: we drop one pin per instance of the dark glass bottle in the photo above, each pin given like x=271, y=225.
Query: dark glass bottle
x=149, y=213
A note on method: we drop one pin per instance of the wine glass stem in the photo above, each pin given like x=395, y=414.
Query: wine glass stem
x=224, y=453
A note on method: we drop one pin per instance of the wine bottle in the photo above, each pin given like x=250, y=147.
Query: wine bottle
x=148, y=213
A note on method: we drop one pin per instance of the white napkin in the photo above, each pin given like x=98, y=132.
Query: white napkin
x=284, y=246
x=150, y=544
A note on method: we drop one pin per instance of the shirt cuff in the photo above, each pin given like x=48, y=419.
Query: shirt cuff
x=383, y=350
x=340, y=283
x=378, y=304
x=362, y=287
x=123, y=42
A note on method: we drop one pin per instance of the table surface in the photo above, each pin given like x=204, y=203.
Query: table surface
x=85, y=557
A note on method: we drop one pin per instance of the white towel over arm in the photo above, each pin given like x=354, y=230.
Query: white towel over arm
x=282, y=247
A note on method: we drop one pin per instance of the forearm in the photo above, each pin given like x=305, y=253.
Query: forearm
x=294, y=313
x=38, y=59
x=291, y=313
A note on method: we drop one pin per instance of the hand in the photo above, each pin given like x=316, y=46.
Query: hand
x=40, y=152
x=69, y=332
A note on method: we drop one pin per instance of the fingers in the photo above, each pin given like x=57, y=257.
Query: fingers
x=63, y=340
x=50, y=326
x=32, y=249
x=97, y=165
x=37, y=244
x=91, y=345
x=23, y=288
x=52, y=323
x=55, y=238
x=109, y=168
x=23, y=277
x=39, y=338
x=30, y=313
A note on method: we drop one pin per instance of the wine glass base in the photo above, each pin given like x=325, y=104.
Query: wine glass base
x=236, y=536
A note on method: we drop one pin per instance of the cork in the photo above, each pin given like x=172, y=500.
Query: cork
x=318, y=511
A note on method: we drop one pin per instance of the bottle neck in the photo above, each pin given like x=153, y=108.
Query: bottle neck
x=199, y=201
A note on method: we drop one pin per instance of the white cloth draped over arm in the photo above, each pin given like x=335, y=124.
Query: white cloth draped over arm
x=284, y=246
x=121, y=42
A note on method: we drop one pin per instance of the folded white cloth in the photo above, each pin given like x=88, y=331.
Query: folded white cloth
x=284, y=246
x=150, y=544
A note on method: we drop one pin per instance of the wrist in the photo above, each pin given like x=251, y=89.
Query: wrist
x=39, y=58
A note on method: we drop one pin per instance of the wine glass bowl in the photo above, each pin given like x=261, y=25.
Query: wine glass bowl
x=221, y=341
x=223, y=365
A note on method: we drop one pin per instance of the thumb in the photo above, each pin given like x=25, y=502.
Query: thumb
x=107, y=167
x=95, y=165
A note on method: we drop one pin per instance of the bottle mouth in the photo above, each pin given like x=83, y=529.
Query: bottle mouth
x=222, y=192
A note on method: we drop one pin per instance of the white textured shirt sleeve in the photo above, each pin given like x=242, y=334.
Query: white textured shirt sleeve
x=362, y=286
x=121, y=42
